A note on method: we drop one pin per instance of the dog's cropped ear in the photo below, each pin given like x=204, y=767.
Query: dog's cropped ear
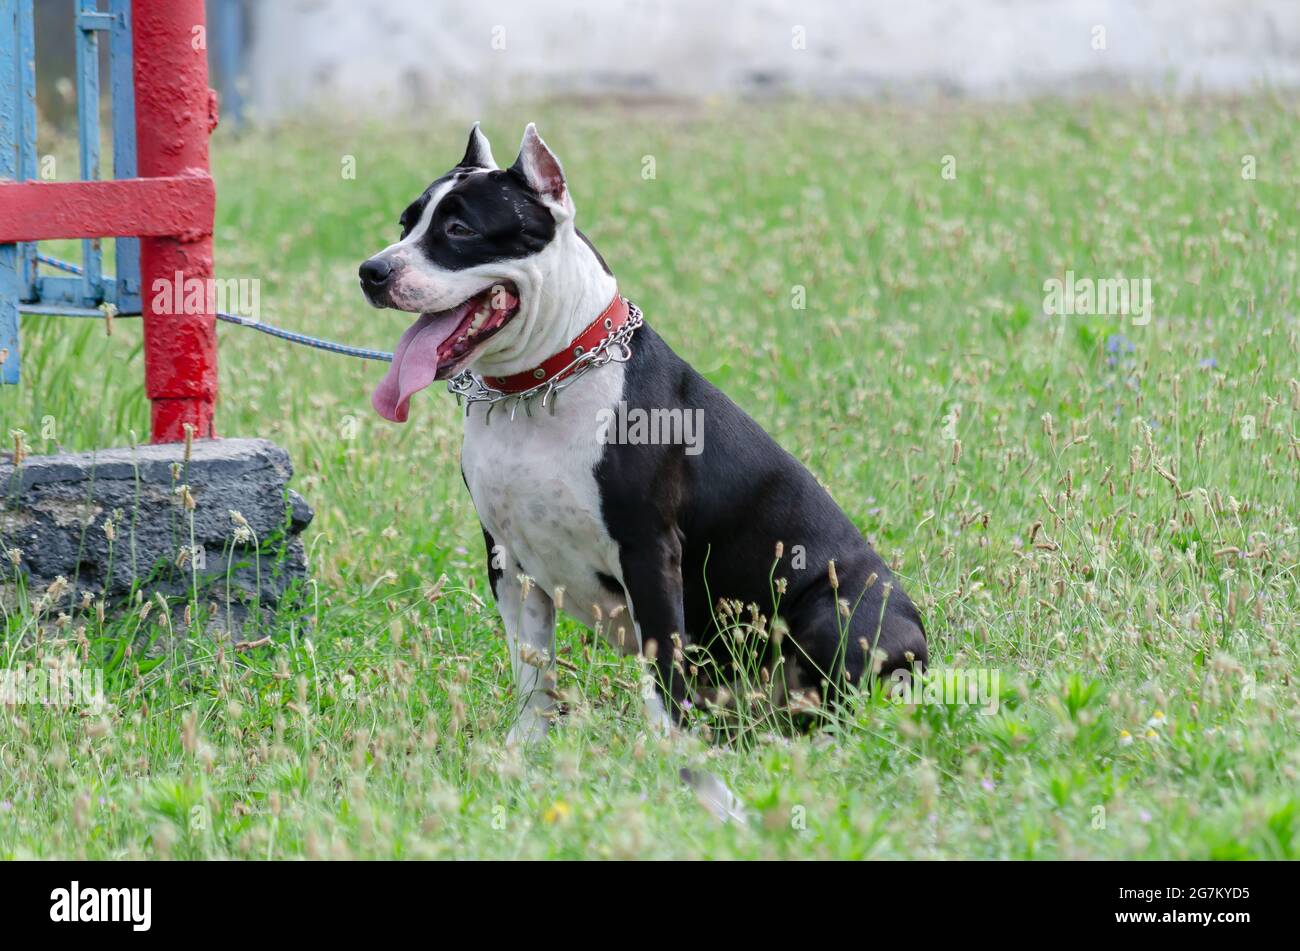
x=478, y=154
x=541, y=170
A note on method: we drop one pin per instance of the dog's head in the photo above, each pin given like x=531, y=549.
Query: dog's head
x=476, y=249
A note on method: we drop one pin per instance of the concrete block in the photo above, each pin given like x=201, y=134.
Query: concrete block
x=111, y=520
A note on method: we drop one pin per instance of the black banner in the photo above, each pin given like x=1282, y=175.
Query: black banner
x=335, y=900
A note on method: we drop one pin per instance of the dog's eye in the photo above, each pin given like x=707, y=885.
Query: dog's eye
x=458, y=229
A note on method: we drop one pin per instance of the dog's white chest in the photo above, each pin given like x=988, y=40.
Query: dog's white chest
x=533, y=483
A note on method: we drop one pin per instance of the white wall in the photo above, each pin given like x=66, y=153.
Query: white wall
x=392, y=56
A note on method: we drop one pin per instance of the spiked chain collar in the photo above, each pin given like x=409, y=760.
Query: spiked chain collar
x=606, y=339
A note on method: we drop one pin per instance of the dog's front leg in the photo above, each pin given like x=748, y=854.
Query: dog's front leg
x=652, y=576
x=529, y=617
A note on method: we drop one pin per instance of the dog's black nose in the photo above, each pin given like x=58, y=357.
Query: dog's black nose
x=375, y=273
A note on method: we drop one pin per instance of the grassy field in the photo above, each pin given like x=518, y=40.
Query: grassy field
x=1104, y=511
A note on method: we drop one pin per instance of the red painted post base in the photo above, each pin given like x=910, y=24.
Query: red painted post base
x=180, y=349
x=169, y=417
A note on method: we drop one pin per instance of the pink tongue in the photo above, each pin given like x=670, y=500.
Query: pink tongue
x=415, y=363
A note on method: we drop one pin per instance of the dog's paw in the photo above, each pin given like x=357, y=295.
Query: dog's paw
x=715, y=796
x=529, y=730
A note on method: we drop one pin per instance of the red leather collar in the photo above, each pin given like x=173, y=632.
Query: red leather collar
x=553, y=367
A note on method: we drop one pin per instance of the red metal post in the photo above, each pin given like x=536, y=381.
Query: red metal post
x=175, y=112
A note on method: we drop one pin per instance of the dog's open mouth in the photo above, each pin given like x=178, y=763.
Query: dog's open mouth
x=438, y=344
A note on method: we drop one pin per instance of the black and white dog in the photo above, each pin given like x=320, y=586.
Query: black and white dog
x=640, y=540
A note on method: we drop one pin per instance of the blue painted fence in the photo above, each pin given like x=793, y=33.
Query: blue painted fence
x=23, y=288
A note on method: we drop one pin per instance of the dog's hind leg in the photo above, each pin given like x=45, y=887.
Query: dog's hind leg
x=653, y=580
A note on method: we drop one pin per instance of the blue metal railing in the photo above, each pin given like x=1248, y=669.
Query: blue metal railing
x=17, y=162
x=22, y=287
x=226, y=19
x=81, y=290
x=121, y=80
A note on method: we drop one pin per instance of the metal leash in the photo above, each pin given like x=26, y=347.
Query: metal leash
x=290, y=335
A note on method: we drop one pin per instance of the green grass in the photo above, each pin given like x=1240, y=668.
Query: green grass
x=1145, y=634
